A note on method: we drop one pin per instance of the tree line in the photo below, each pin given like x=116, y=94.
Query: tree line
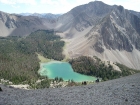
x=96, y=67
x=18, y=59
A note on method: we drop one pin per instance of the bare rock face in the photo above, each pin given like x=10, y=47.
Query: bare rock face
x=94, y=29
x=135, y=13
x=120, y=30
x=84, y=16
x=17, y=25
x=109, y=32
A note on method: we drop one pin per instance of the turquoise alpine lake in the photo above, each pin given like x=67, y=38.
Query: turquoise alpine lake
x=64, y=70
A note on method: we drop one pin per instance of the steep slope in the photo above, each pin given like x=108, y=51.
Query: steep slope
x=94, y=29
x=109, y=32
x=135, y=13
x=18, y=55
x=17, y=25
x=122, y=91
x=118, y=37
x=82, y=17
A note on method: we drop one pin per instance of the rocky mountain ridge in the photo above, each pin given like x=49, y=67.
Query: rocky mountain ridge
x=42, y=15
x=17, y=25
x=94, y=29
x=109, y=32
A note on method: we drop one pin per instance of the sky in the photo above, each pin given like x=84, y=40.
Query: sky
x=57, y=6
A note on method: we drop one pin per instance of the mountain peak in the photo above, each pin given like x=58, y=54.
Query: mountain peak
x=97, y=2
x=94, y=29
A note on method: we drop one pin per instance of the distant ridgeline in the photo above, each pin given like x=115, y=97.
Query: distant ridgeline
x=18, y=59
x=96, y=67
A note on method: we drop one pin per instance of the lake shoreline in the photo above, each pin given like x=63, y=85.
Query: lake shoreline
x=67, y=74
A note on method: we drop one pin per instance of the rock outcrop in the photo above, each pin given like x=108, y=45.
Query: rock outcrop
x=109, y=32
x=94, y=29
x=17, y=25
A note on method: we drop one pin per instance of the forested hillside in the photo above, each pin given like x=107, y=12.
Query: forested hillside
x=96, y=67
x=18, y=59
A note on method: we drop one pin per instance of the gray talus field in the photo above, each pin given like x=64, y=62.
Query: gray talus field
x=97, y=29
x=123, y=91
x=110, y=32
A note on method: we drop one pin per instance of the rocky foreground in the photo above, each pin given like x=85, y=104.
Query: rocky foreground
x=123, y=91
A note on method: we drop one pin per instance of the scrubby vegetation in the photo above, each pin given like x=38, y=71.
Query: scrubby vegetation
x=44, y=83
x=126, y=70
x=95, y=67
x=18, y=59
x=57, y=79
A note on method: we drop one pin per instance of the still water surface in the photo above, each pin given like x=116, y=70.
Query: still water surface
x=64, y=70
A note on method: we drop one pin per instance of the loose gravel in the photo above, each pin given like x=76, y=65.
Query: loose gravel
x=123, y=91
